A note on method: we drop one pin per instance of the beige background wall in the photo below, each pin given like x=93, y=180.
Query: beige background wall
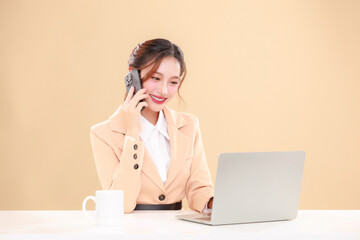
x=262, y=76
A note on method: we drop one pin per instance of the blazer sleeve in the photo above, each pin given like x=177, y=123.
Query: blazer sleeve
x=119, y=174
x=199, y=187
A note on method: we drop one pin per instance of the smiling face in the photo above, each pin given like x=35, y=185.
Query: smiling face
x=161, y=85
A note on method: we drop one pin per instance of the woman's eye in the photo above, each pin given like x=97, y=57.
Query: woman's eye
x=155, y=78
x=174, y=83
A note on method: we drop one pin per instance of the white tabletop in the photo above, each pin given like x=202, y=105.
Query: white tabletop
x=310, y=224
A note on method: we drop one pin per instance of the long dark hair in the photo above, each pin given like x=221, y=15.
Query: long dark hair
x=152, y=52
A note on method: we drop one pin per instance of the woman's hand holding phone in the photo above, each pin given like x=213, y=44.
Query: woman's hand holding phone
x=131, y=109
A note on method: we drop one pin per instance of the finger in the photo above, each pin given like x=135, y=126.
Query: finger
x=138, y=94
x=136, y=99
x=130, y=94
x=141, y=105
x=141, y=91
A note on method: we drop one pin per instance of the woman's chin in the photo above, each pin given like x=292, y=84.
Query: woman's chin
x=155, y=108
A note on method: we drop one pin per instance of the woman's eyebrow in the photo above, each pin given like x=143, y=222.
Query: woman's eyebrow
x=171, y=77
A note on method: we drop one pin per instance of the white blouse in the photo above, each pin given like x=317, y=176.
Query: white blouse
x=157, y=143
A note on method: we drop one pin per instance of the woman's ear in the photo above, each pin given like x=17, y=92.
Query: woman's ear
x=130, y=69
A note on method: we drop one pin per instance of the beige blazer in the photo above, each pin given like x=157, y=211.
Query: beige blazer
x=124, y=163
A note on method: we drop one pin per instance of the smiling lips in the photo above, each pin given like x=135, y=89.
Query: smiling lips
x=157, y=99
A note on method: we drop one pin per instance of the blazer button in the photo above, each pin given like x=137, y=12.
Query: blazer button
x=135, y=147
x=135, y=156
x=136, y=166
x=162, y=197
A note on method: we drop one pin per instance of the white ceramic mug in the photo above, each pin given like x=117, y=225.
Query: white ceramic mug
x=109, y=207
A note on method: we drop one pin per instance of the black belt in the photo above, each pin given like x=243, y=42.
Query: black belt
x=172, y=206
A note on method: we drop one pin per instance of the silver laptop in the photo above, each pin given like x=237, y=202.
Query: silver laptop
x=255, y=187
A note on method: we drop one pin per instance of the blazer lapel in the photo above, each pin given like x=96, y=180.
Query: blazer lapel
x=179, y=143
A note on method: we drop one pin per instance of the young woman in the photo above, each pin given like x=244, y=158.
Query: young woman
x=155, y=156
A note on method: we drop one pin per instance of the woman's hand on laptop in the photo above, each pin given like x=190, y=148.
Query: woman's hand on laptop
x=210, y=203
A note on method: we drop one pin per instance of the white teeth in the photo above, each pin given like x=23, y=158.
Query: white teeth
x=158, y=99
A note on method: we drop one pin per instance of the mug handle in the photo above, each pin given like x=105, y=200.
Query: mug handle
x=84, y=206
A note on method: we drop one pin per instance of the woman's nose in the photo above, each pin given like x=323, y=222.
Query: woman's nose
x=163, y=88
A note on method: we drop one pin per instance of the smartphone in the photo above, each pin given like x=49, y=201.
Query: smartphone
x=133, y=79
